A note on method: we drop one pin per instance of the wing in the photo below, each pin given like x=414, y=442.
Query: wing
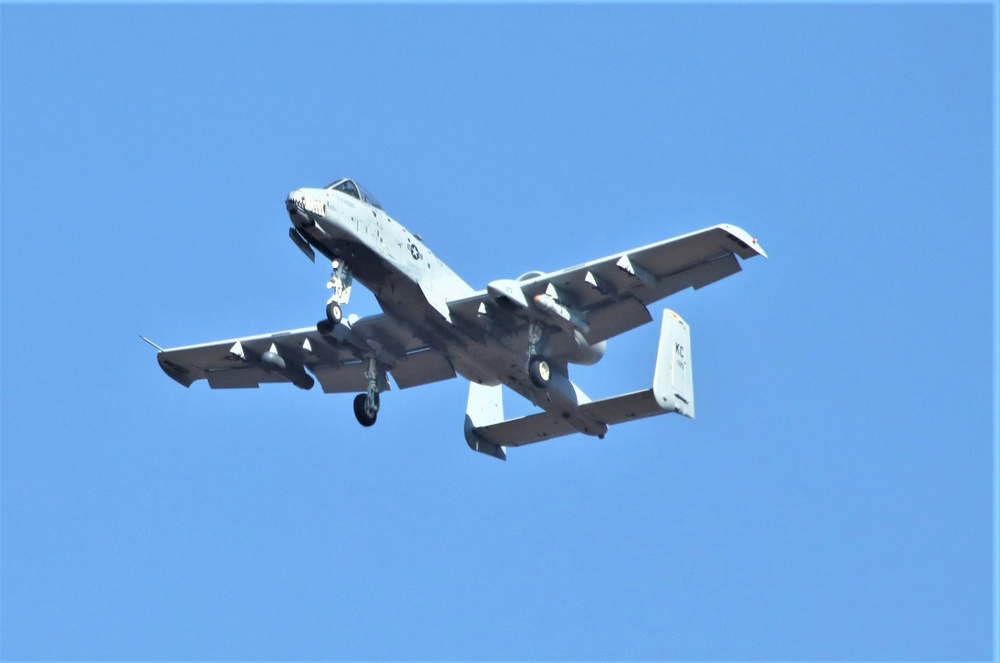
x=607, y=297
x=335, y=359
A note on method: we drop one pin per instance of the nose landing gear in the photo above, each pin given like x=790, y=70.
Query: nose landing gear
x=340, y=283
x=334, y=313
x=366, y=405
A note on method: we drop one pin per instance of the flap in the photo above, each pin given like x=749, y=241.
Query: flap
x=341, y=378
x=422, y=367
x=616, y=318
x=248, y=377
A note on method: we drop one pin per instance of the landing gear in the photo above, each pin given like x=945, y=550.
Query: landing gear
x=366, y=405
x=334, y=313
x=366, y=409
x=539, y=371
x=538, y=367
x=340, y=283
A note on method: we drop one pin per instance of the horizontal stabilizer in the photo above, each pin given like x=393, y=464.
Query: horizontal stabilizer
x=524, y=430
x=672, y=391
x=619, y=409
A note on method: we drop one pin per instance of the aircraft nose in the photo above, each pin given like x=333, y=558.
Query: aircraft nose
x=292, y=201
x=295, y=204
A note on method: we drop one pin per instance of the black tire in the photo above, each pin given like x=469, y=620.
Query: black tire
x=333, y=312
x=325, y=327
x=540, y=372
x=362, y=416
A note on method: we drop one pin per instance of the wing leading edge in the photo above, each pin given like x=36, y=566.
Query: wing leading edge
x=335, y=360
x=610, y=295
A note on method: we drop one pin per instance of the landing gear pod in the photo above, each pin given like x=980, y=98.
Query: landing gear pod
x=539, y=372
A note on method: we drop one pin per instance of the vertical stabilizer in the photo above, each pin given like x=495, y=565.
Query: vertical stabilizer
x=673, y=384
x=485, y=408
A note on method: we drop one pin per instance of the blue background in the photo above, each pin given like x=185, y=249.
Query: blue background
x=833, y=499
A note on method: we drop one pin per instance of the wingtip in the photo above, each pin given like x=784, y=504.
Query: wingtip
x=760, y=249
x=746, y=240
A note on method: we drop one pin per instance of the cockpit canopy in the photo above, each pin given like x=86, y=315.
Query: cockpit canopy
x=352, y=188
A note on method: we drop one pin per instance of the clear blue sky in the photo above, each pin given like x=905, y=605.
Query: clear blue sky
x=833, y=500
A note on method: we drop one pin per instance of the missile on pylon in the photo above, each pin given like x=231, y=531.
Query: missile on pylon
x=552, y=307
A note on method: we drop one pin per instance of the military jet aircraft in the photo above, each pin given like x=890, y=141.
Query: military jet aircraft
x=523, y=333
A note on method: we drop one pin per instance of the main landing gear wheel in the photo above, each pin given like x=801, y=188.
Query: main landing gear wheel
x=539, y=371
x=366, y=411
